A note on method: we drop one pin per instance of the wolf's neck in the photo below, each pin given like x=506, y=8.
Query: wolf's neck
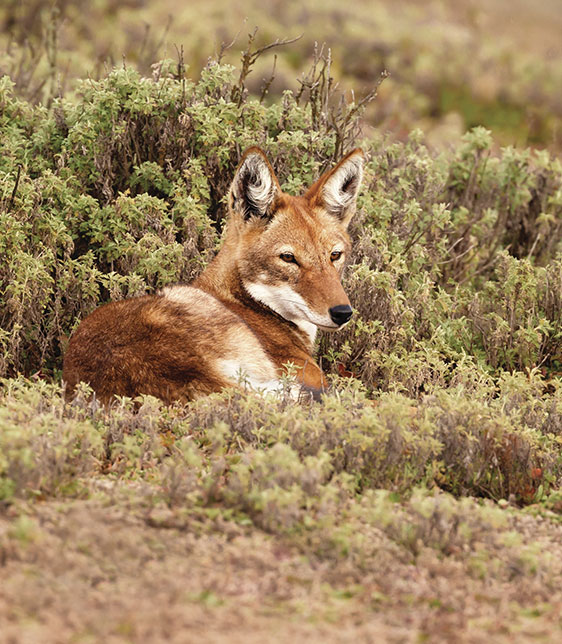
x=221, y=277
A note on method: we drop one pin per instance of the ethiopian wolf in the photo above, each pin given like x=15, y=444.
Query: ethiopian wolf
x=250, y=314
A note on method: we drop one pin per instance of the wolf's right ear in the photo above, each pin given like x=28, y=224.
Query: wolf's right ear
x=255, y=186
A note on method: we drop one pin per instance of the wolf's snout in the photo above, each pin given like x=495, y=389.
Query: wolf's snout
x=341, y=314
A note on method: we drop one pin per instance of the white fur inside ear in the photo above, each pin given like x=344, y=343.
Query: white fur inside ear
x=340, y=190
x=253, y=187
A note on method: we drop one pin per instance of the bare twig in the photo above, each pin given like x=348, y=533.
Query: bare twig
x=249, y=59
x=181, y=63
x=532, y=250
x=15, y=190
x=456, y=257
x=328, y=109
x=267, y=84
x=224, y=47
x=51, y=50
x=344, y=118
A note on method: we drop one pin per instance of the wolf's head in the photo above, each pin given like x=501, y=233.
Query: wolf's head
x=291, y=250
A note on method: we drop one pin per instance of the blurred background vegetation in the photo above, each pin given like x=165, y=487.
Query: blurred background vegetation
x=453, y=65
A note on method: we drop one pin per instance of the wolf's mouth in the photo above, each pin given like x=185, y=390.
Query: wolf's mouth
x=324, y=327
x=330, y=328
x=304, y=314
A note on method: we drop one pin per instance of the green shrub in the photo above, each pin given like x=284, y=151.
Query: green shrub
x=122, y=192
x=270, y=462
x=454, y=352
x=457, y=266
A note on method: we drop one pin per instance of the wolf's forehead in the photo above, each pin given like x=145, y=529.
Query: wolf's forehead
x=305, y=228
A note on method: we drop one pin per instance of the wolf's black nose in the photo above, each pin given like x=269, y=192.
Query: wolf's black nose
x=341, y=314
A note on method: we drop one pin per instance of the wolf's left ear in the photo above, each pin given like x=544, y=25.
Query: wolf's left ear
x=255, y=186
x=337, y=189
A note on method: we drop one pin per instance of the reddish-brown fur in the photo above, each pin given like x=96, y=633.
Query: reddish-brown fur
x=243, y=310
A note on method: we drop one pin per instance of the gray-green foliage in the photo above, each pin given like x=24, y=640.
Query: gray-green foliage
x=122, y=191
x=283, y=464
x=458, y=270
x=456, y=278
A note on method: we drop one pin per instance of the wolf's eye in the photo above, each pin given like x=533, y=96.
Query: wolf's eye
x=336, y=255
x=288, y=257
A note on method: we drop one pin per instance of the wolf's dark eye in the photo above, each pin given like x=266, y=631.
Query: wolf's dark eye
x=336, y=255
x=288, y=257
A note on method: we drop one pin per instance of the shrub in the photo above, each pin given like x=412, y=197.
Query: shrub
x=455, y=277
x=267, y=461
x=122, y=192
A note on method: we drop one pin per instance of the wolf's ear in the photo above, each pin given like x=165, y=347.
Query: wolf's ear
x=337, y=189
x=255, y=185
